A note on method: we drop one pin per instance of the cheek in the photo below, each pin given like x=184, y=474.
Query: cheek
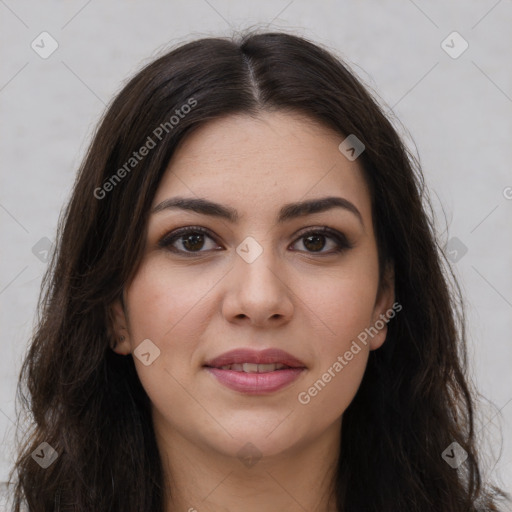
x=168, y=307
x=162, y=299
x=341, y=304
x=341, y=308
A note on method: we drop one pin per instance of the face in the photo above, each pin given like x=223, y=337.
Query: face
x=270, y=279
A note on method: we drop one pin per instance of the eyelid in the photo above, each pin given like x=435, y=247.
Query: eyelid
x=166, y=240
x=327, y=231
x=343, y=243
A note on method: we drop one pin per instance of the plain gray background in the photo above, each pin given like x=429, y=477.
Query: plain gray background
x=458, y=112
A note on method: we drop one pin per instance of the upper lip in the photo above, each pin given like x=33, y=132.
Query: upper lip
x=245, y=355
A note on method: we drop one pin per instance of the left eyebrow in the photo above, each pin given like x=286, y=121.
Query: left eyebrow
x=288, y=212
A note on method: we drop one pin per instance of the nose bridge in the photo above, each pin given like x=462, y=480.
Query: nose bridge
x=258, y=261
x=260, y=291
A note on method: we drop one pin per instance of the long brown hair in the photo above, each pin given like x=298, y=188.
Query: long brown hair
x=87, y=402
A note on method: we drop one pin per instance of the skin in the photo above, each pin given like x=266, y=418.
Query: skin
x=310, y=304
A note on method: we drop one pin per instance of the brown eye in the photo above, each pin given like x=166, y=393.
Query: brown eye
x=193, y=242
x=314, y=241
x=187, y=240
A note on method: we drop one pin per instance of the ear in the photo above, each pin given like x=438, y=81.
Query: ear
x=120, y=339
x=384, y=308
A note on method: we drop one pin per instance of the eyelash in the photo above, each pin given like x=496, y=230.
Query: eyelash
x=340, y=239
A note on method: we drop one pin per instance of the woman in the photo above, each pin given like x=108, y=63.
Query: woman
x=247, y=308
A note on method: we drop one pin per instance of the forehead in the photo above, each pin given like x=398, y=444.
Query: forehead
x=252, y=163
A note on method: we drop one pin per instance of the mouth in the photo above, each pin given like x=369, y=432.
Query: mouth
x=255, y=372
x=253, y=367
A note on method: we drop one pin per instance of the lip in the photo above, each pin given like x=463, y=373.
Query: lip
x=245, y=355
x=255, y=383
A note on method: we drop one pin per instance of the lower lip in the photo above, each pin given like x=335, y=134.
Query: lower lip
x=256, y=383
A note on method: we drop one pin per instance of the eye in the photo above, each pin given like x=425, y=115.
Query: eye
x=314, y=240
x=191, y=239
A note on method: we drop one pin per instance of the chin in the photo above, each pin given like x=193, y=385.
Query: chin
x=250, y=440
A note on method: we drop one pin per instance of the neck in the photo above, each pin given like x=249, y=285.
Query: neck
x=200, y=479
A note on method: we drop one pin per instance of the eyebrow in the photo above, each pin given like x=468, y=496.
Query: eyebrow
x=287, y=212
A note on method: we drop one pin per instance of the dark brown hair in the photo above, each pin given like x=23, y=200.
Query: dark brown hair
x=87, y=401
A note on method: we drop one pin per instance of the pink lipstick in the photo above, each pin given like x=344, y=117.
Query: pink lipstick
x=255, y=372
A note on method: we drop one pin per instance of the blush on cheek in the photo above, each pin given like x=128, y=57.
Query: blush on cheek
x=344, y=319
x=160, y=300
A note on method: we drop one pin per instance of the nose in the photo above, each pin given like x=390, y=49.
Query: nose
x=258, y=292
